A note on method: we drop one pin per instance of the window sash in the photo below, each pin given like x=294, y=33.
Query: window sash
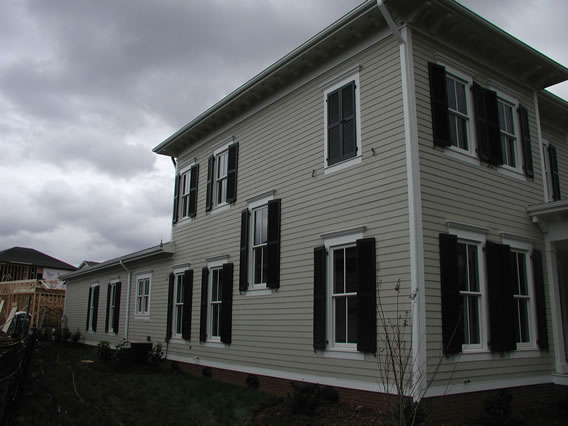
x=111, y=308
x=186, y=181
x=221, y=172
x=343, y=299
x=458, y=112
x=92, y=309
x=178, y=306
x=259, y=246
x=143, y=296
x=469, y=276
x=215, y=302
x=508, y=136
x=521, y=294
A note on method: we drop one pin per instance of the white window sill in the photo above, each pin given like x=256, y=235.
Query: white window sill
x=177, y=340
x=462, y=155
x=220, y=208
x=111, y=333
x=343, y=354
x=343, y=165
x=259, y=291
x=470, y=356
x=184, y=220
x=511, y=172
x=214, y=344
x=144, y=317
x=525, y=353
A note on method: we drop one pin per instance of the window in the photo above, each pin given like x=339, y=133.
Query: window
x=345, y=294
x=342, y=124
x=180, y=296
x=473, y=120
x=487, y=301
x=113, y=307
x=92, y=307
x=521, y=294
x=143, y=295
x=508, y=137
x=216, y=302
x=185, y=193
x=260, y=244
x=222, y=177
x=551, y=171
x=458, y=112
x=470, y=290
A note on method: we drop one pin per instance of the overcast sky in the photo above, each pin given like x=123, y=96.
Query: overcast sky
x=88, y=88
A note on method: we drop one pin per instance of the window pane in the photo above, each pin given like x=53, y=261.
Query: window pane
x=516, y=273
x=453, y=130
x=147, y=287
x=473, y=268
x=146, y=299
x=215, y=319
x=258, y=264
x=451, y=93
x=352, y=320
x=340, y=319
x=351, y=269
x=462, y=132
x=214, y=285
x=523, y=320
x=179, y=315
x=522, y=273
x=338, y=270
x=462, y=266
x=472, y=332
x=461, y=100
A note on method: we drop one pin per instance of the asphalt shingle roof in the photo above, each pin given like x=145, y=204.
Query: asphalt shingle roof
x=33, y=257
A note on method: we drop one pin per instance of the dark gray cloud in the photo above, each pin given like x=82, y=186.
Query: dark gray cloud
x=87, y=88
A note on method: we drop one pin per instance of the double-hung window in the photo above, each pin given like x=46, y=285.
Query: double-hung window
x=180, y=296
x=470, y=290
x=185, y=193
x=113, y=307
x=260, y=244
x=458, y=112
x=222, y=176
x=216, y=302
x=93, y=307
x=342, y=124
x=509, y=148
x=521, y=294
x=345, y=316
x=551, y=171
x=143, y=283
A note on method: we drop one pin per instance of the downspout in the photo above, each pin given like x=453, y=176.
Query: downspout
x=127, y=299
x=418, y=302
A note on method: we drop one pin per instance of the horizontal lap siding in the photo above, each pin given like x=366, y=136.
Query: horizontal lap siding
x=280, y=147
x=478, y=195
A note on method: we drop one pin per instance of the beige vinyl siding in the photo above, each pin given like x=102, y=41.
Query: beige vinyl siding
x=478, y=195
x=280, y=148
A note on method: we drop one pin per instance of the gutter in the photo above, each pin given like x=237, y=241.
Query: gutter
x=121, y=263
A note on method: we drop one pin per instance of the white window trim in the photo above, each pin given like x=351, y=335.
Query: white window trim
x=336, y=83
x=91, y=307
x=181, y=172
x=335, y=240
x=210, y=337
x=252, y=206
x=476, y=235
x=469, y=155
x=177, y=272
x=143, y=315
x=213, y=263
x=526, y=247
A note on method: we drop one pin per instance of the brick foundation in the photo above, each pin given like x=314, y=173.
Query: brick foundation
x=436, y=408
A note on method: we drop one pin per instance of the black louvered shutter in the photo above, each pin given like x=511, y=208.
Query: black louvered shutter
x=227, y=304
x=554, y=175
x=210, y=183
x=452, y=302
x=500, y=296
x=89, y=307
x=439, y=103
x=244, y=251
x=341, y=124
x=194, y=178
x=187, y=304
x=232, y=165
x=109, y=289
x=320, y=298
x=203, y=317
x=273, y=244
x=96, y=307
x=171, y=283
x=366, y=296
x=116, y=315
x=493, y=128
x=175, y=214
x=481, y=123
x=538, y=275
x=526, y=141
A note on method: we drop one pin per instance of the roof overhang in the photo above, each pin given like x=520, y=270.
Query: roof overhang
x=159, y=250
x=549, y=213
x=553, y=110
x=446, y=20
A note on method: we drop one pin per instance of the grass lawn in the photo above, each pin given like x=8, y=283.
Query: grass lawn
x=63, y=390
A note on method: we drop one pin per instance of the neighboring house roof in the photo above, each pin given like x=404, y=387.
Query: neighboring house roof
x=445, y=20
x=33, y=257
x=86, y=263
x=162, y=248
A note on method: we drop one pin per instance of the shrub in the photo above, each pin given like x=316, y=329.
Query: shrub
x=65, y=333
x=155, y=355
x=104, y=350
x=76, y=336
x=252, y=381
x=121, y=351
x=498, y=410
x=305, y=398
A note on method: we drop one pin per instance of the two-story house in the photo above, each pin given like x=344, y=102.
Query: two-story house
x=406, y=159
